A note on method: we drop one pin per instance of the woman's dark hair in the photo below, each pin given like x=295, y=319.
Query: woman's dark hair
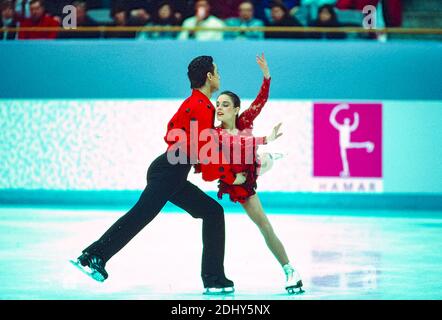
x=234, y=97
x=198, y=69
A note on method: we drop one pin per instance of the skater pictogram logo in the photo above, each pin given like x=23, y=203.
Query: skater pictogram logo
x=347, y=140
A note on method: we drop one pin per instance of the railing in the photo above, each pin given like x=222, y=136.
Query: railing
x=411, y=31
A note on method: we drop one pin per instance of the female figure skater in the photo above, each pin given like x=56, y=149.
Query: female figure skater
x=232, y=124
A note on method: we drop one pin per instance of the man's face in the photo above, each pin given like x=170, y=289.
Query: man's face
x=37, y=11
x=214, y=79
x=245, y=11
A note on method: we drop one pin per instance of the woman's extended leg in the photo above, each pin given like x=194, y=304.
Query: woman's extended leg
x=255, y=211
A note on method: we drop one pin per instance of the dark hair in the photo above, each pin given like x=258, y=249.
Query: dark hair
x=80, y=3
x=198, y=69
x=279, y=4
x=165, y=3
x=170, y=20
x=235, y=99
x=40, y=2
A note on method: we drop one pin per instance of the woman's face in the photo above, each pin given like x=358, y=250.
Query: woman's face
x=165, y=12
x=225, y=111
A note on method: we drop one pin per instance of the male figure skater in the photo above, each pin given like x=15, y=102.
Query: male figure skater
x=168, y=182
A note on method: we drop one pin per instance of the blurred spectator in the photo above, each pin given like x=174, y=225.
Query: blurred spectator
x=280, y=17
x=119, y=15
x=53, y=8
x=246, y=19
x=38, y=18
x=225, y=9
x=183, y=9
x=263, y=11
x=139, y=17
x=289, y=4
x=139, y=12
x=83, y=20
x=327, y=18
x=164, y=16
x=8, y=19
x=202, y=18
x=392, y=9
x=310, y=9
x=22, y=8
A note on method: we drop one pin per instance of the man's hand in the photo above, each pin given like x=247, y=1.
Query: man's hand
x=240, y=178
x=274, y=135
x=261, y=61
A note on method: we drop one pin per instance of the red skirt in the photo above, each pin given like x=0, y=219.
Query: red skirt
x=240, y=193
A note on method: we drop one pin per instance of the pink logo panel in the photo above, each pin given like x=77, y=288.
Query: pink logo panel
x=347, y=140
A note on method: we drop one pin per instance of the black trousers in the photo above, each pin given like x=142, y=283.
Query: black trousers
x=167, y=182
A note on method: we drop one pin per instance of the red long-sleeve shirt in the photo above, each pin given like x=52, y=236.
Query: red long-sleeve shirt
x=45, y=21
x=197, y=111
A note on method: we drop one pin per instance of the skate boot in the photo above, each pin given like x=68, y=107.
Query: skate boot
x=91, y=265
x=217, y=285
x=266, y=161
x=293, y=280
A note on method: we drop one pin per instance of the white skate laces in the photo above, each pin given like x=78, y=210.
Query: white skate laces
x=293, y=283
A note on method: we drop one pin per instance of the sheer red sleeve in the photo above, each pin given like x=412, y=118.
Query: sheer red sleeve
x=245, y=120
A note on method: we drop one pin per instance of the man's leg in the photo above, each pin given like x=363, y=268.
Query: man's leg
x=163, y=180
x=200, y=205
x=150, y=203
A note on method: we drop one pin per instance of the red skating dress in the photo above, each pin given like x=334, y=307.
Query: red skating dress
x=244, y=123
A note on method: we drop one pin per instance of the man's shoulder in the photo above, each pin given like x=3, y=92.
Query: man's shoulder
x=193, y=99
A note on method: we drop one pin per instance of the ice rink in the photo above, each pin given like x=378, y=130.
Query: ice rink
x=340, y=255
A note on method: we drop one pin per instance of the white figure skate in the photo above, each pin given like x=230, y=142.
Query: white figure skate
x=293, y=283
x=267, y=160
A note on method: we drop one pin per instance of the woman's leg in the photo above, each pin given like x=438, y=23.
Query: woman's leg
x=255, y=211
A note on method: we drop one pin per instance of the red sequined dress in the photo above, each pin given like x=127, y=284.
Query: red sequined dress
x=244, y=123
